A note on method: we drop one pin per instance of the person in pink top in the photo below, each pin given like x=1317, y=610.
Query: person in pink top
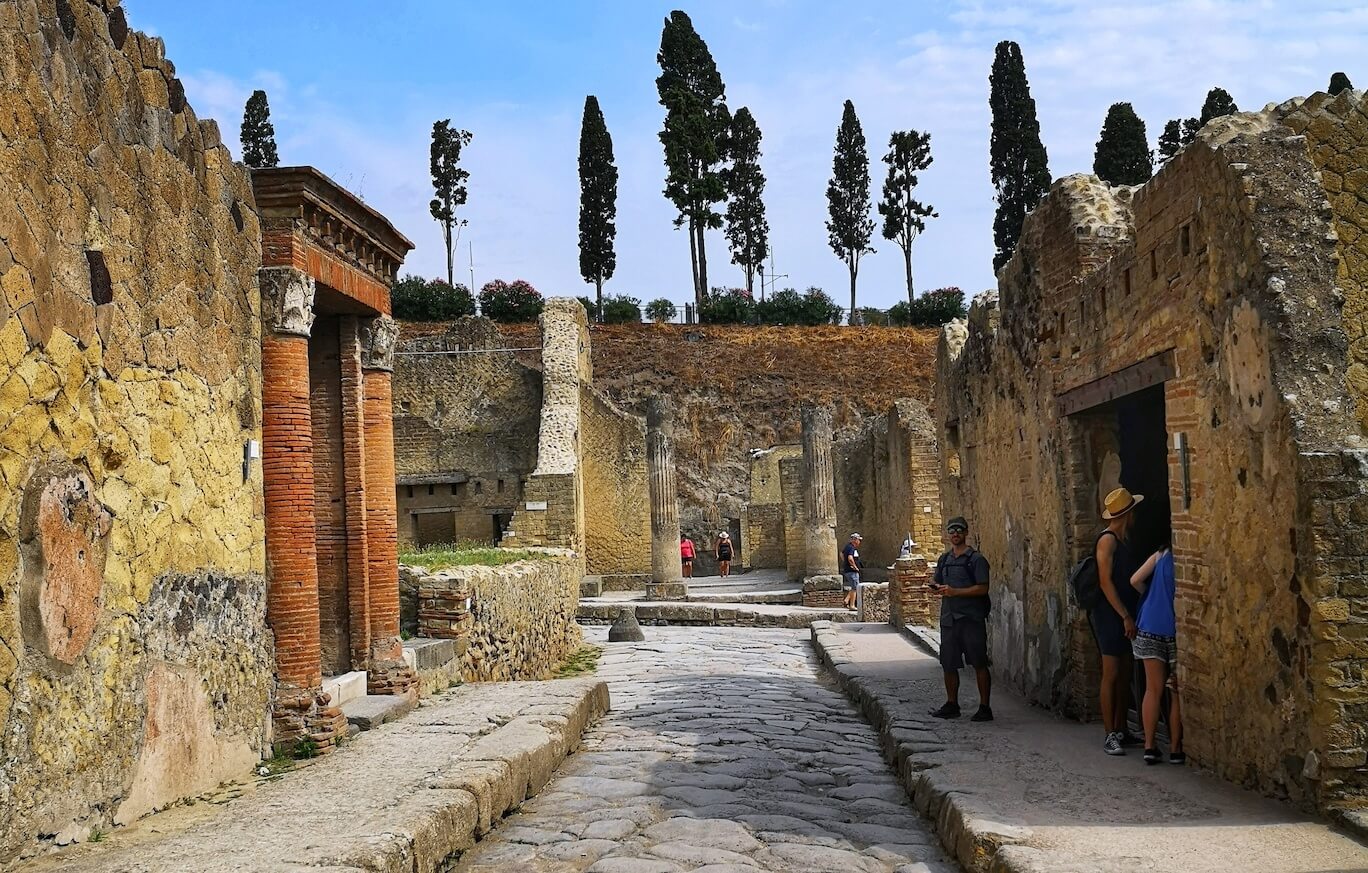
x=686, y=555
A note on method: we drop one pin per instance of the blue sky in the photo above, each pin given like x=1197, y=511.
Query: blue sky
x=354, y=91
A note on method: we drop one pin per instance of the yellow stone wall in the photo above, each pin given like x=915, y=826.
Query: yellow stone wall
x=142, y=391
x=617, y=504
x=1226, y=268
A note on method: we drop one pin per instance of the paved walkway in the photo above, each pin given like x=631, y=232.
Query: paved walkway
x=723, y=753
x=1029, y=792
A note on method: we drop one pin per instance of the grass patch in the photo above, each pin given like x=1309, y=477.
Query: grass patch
x=581, y=663
x=440, y=557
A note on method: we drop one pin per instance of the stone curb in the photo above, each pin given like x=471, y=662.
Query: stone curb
x=967, y=830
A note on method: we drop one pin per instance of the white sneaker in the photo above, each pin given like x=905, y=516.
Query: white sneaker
x=1112, y=744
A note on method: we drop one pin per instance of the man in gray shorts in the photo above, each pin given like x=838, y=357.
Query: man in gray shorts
x=961, y=581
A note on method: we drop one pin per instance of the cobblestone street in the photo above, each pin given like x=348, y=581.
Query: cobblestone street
x=723, y=752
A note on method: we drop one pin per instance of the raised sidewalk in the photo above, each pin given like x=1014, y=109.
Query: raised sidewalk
x=1030, y=793
x=407, y=797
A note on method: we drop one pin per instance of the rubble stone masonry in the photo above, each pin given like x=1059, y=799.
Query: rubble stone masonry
x=135, y=665
x=1235, y=281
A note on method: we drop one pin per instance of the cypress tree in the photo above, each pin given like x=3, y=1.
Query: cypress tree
x=1019, y=164
x=1339, y=82
x=909, y=152
x=1218, y=102
x=849, y=226
x=1171, y=140
x=258, y=134
x=1123, y=155
x=747, y=227
x=694, y=136
x=598, y=200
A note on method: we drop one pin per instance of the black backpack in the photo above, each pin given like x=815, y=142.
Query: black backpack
x=1083, y=582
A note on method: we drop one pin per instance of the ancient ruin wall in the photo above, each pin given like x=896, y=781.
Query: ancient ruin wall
x=1221, y=269
x=887, y=486
x=617, y=507
x=135, y=666
x=764, y=543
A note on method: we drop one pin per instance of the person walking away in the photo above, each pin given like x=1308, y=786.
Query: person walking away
x=1156, y=646
x=961, y=581
x=851, y=565
x=724, y=554
x=1113, y=616
x=686, y=556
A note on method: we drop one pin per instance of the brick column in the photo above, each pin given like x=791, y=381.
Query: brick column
x=909, y=600
x=301, y=710
x=819, y=494
x=354, y=461
x=386, y=673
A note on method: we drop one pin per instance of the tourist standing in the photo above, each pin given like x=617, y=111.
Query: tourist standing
x=724, y=554
x=851, y=565
x=961, y=581
x=1156, y=646
x=686, y=555
x=1113, y=616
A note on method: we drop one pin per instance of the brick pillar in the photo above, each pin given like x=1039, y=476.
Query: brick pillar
x=301, y=710
x=819, y=494
x=354, y=461
x=665, y=565
x=386, y=673
x=909, y=600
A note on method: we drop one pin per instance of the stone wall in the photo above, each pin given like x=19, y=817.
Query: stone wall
x=910, y=602
x=521, y=618
x=135, y=668
x=465, y=430
x=887, y=486
x=617, y=509
x=1228, y=281
x=765, y=540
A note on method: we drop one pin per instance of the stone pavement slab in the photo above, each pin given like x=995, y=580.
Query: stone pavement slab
x=408, y=796
x=725, y=752
x=1032, y=793
x=604, y=610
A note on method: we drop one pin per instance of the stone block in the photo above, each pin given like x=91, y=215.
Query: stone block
x=667, y=591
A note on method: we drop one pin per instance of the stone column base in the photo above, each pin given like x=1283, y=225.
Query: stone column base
x=667, y=591
x=300, y=715
x=388, y=672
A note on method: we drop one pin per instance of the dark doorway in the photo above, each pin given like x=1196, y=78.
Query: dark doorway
x=501, y=523
x=434, y=528
x=1143, y=439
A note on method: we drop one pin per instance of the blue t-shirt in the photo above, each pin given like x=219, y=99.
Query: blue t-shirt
x=846, y=554
x=1156, y=612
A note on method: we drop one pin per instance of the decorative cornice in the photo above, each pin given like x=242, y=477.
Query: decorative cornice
x=287, y=300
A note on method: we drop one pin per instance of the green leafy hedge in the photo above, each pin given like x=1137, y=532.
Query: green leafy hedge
x=414, y=298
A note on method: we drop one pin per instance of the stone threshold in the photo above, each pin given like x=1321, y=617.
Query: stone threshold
x=985, y=817
x=411, y=796
x=671, y=613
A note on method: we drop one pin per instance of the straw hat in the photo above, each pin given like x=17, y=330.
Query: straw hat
x=1120, y=502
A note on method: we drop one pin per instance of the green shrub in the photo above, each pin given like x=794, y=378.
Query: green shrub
x=812, y=307
x=727, y=306
x=621, y=309
x=510, y=302
x=660, y=310
x=932, y=309
x=414, y=298
x=874, y=316
x=590, y=308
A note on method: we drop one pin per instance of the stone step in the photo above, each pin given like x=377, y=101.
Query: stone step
x=710, y=614
x=372, y=710
x=345, y=687
x=781, y=595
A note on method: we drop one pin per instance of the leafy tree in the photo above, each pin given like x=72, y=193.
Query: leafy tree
x=510, y=302
x=747, y=227
x=909, y=152
x=849, y=226
x=258, y=134
x=591, y=309
x=660, y=310
x=1171, y=140
x=813, y=307
x=932, y=309
x=598, y=199
x=1218, y=102
x=1019, y=165
x=873, y=315
x=621, y=309
x=414, y=298
x=727, y=306
x=449, y=184
x=694, y=137
x=1339, y=82
x=1123, y=155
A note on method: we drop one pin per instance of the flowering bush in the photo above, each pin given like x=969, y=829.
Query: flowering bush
x=932, y=309
x=510, y=301
x=811, y=307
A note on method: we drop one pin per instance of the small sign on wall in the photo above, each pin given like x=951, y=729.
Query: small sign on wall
x=536, y=506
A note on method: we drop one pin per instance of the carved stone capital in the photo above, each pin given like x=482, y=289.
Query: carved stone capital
x=379, y=336
x=287, y=300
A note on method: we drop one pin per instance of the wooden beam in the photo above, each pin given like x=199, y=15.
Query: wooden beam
x=1136, y=377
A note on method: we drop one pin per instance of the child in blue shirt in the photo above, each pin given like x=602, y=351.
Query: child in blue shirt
x=1156, y=645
